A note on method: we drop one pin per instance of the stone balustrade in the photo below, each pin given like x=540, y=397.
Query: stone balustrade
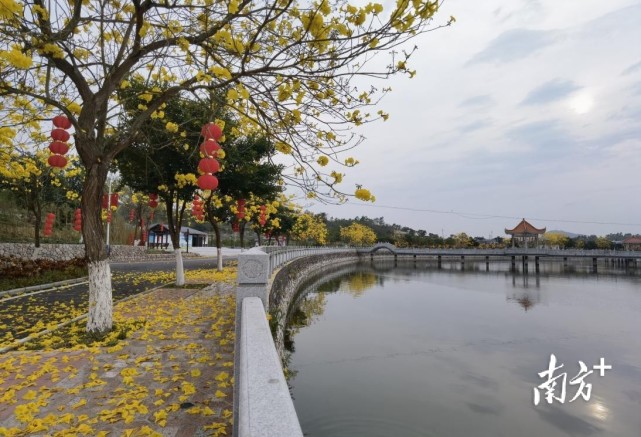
x=262, y=402
x=118, y=253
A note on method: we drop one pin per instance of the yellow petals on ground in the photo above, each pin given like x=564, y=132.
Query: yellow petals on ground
x=175, y=351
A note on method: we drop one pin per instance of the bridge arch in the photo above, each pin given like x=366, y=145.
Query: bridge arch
x=383, y=246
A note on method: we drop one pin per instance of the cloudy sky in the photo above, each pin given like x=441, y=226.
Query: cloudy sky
x=523, y=108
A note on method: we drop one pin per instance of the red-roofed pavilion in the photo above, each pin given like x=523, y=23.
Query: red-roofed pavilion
x=632, y=243
x=526, y=233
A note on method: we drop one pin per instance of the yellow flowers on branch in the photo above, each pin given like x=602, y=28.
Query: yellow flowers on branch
x=288, y=72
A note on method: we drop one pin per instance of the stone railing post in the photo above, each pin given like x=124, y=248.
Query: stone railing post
x=253, y=275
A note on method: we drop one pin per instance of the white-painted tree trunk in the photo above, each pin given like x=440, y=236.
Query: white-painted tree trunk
x=219, y=253
x=180, y=270
x=100, y=300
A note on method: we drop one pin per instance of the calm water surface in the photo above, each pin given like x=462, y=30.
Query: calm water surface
x=416, y=351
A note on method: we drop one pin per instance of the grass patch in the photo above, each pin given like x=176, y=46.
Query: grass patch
x=45, y=277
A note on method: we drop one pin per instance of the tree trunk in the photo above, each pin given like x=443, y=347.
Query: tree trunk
x=37, y=212
x=258, y=237
x=100, y=299
x=219, y=250
x=180, y=270
x=174, y=220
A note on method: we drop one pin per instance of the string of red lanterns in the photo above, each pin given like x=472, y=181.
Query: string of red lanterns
x=59, y=146
x=77, y=223
x=197, y=209
x=263, y=216
x=211, y=132
x=241, y=209
x=48, y=228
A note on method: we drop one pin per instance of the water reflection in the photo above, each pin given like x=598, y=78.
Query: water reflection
x=418, y=350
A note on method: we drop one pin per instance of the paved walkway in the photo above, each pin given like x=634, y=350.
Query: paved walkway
x=173, y=376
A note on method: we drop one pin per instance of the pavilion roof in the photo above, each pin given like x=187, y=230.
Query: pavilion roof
x=635, y=239
x=524, y=228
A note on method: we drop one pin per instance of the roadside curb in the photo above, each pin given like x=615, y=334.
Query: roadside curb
x=43, y=286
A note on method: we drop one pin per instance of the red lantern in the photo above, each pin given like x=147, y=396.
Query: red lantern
x=60, y=135
x=211, y=130
x=57, y=161
x=235, y=227
x=132, y=214
x=153, y=203
x=153, y=196
x=59, y=147
x=208, y=165
x=209, y=147
x=109, y=216
x=207, y=182
x=61, y=121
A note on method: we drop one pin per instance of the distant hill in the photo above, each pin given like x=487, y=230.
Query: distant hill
x=567, y=234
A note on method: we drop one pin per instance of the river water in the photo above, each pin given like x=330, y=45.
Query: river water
x=413, y=350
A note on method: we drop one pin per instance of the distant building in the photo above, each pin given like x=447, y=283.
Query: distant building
x=525, y=233
x=159, y=237
x=632, y=243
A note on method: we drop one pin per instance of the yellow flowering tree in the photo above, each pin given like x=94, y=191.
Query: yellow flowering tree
x=287, y=69
x=357, y=234
x=35, y=184
x=310, y=229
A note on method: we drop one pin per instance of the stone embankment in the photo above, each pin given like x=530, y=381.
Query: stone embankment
x=293, y=279
x=69, y=251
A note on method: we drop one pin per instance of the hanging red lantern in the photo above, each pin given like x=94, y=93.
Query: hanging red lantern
x=61, y=121
x=60, y=135
x=153, y=203
x=109, y=216
x=209, y=147
x=211, y=130
x=57, y=161
x=207, y=182
x=208, y=165
x=153, y=196
x=132, y=214
x=59, y=147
